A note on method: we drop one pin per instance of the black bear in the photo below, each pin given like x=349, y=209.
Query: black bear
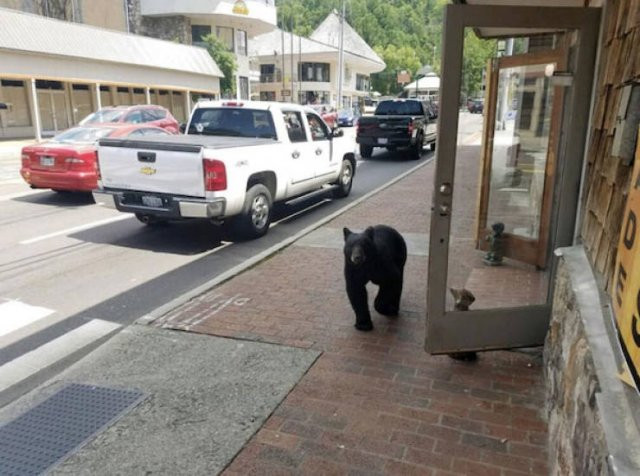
x=378, y=254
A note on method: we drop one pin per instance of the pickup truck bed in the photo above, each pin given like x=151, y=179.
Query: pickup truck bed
x=186, y=143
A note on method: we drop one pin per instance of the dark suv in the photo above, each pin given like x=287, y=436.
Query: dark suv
x=475, y=105
x=151, y=115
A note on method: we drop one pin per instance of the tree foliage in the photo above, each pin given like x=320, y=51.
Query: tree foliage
x=226, y=61
x=406, y=34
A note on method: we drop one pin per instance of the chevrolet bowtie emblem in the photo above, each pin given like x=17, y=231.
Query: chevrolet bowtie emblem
x=147, y=170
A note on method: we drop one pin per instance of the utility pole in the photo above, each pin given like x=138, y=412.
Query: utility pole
x=341, y=58
x=291, y=33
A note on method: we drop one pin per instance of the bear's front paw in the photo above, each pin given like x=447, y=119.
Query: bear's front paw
x=364, y=325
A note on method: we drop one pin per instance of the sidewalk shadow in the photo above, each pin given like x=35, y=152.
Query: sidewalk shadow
x=58, y=199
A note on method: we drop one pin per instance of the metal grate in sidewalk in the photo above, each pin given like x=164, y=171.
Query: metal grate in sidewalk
x=60, y=425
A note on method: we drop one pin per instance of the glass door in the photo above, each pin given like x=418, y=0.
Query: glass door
x=505, y=180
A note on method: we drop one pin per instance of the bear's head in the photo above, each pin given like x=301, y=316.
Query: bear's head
x=359, y=248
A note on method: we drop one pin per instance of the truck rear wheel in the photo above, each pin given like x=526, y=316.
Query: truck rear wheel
x=366, y=151
x=415, y=152
x=256, y=216
x=345, y=181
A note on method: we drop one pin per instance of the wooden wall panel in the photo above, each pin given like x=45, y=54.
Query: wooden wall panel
x=607, y=180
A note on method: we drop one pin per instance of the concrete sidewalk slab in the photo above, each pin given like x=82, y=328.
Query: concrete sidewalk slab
x=206, y=397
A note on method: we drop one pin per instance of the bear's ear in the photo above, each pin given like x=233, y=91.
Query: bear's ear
x=346, y=232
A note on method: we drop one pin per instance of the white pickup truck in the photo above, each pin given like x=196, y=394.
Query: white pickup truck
x=234, y=161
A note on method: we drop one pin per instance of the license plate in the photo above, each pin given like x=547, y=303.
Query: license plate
x=150, y=201
x=47, y=161
x=382, y=140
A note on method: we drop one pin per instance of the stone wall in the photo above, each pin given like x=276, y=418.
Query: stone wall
x=591, y=426
x=171, y=28
x=576, y=443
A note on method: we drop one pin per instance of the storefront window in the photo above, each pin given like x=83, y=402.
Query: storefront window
x=267, y=73
x=244, y=87
x=14, y=95
x=198, y=32
x=267, y=96
x=362, y=82
x=81, y=102
x=225, y=34
x=315, y=97
x=241, y=41
x=318, y=72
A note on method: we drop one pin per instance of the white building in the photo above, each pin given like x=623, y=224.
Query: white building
x=306, y=70
x=236, y=23
x=427, y=87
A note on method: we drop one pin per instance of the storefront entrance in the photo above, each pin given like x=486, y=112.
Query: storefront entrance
x=52, y=102
x=520, y=162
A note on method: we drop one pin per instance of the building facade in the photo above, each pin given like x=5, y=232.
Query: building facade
x=306, y=70
x=236, y=23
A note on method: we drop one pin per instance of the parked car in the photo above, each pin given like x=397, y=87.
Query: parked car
x=68, y=161
x=327, y=113
x=235, y=161
x=398, y=123
x=475, y=105
x=347, y=117
x=152, y=115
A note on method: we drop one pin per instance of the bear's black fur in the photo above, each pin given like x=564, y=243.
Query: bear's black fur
x=378, y=254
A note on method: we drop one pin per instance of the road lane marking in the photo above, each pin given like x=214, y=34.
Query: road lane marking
x=15, y=315
x=86, y=226
x=29, y=364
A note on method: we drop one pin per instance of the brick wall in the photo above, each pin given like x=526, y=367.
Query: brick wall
x=607, y=179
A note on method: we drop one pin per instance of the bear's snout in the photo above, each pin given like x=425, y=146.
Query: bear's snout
x=357, y=256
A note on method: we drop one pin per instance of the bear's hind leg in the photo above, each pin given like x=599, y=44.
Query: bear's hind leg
x=387, y=301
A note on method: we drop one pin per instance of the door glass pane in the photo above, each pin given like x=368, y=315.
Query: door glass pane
x=500, y=177
x=46, y=111
x=520, y=143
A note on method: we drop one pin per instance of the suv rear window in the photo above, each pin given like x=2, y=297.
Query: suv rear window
x=232, y=122
x=399, y=108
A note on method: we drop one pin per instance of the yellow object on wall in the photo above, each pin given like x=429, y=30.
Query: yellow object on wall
x=626, y=286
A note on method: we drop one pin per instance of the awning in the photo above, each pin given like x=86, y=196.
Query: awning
x=35, y=46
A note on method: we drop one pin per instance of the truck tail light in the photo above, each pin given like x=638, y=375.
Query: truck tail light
x=215, y=175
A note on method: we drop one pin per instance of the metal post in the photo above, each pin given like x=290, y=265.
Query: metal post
x=282, y=72
x=291, y=33
x=187, y=104
x=147, y=93
x=98, y=99
x=341, y=58
x=36, y=110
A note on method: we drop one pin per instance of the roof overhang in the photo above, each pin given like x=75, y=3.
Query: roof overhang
x=497, y=32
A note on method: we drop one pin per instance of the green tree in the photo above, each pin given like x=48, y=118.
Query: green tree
x=225, y=60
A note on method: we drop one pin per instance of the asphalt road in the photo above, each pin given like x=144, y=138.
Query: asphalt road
x=64, y=257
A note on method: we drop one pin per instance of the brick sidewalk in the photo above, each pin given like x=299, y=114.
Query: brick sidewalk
x=373, y=403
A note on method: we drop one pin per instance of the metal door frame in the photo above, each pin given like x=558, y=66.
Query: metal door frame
x=505, y=327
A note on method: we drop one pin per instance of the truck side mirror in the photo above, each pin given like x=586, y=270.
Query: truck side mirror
x=337, y=132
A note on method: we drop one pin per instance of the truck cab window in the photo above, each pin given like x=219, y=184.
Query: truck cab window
x=319, y=130
x=295, y=129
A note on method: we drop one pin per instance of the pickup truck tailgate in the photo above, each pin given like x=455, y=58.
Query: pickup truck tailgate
x=151, y=167
x=389, y=126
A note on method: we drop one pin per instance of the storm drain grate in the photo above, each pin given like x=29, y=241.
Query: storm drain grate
x=55, y=428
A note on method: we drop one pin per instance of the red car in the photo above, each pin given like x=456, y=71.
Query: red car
x=150, y=115
x=328, y=114
x=68, y=161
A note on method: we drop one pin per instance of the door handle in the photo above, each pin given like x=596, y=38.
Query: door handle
x=146, y=156
x=318, y=151
x=295, y=154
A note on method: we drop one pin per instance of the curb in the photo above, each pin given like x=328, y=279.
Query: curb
x=236, y=270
